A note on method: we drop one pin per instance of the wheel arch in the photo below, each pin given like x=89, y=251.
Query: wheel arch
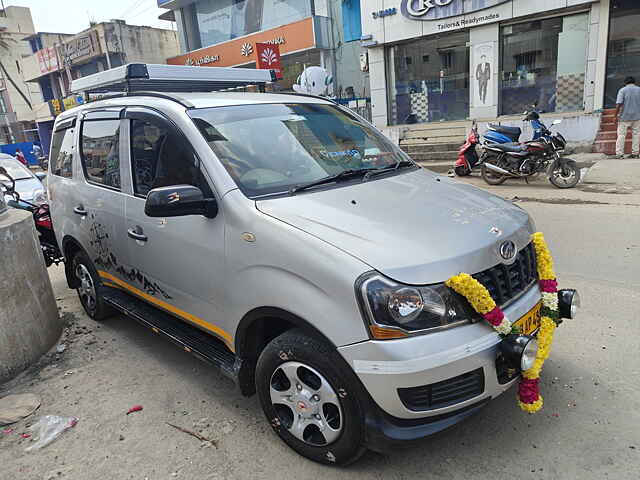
x=252, y=333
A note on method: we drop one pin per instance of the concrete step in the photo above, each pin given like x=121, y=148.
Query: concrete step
x=436, y=132
x=449, y=139
x=428, y=157
x=609, y=147
x=608, y=136
x=431, y=147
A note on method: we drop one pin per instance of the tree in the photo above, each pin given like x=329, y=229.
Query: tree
x=6, y=42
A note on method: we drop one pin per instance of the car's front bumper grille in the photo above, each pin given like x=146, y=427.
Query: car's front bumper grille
x=506, y=282
x=445, y=393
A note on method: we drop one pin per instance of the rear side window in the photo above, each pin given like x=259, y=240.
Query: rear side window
x=61, y=153
x=100, y=152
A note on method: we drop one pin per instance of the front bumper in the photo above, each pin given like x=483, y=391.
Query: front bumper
x=384, y=367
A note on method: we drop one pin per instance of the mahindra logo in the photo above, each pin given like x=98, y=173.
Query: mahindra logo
x=418, y=8
x=508, y=250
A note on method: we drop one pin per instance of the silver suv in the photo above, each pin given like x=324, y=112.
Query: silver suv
x=285, y=240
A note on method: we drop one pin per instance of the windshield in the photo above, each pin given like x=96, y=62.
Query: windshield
x=274, y=148
x=15, y=169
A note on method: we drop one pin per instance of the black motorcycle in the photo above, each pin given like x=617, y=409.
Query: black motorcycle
x=542, y=154
x=42, y=218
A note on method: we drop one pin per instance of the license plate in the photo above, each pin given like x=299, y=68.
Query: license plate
x=531, y=321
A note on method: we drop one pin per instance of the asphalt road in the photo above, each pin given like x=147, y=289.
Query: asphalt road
x=588, y=429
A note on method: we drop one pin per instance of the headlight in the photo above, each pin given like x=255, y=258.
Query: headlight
x=393, y=310
x=568, y=303
x=39, y=197
x=519, y=350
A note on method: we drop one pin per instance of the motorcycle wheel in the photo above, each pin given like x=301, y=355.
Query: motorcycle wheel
x=462, y=171
x=565, y=176
x=491, y=177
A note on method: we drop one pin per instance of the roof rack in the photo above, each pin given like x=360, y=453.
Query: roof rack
x=135, y=77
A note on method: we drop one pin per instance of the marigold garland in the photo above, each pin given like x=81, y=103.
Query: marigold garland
x=529, y=397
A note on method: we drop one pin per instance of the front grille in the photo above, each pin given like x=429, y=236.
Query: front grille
x=506, y=282
x=443, y=394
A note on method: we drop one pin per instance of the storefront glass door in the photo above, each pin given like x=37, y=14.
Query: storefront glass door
x=623, y=56
x=428, y=79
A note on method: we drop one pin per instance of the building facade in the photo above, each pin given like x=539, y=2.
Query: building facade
x=322, y=33
x=449, y=60
x=58, y=59
x=17, y=97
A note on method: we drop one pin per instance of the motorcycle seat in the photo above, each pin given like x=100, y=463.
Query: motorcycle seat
x=510, y=131
x=506, y=147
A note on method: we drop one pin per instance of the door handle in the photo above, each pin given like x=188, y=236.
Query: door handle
x=137, y=234
x=80, y=211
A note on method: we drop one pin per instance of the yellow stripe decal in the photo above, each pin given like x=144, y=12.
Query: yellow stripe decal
x=170, y=308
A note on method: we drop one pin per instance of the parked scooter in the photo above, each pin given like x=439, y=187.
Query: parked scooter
x=468, y=158
x=42, y=218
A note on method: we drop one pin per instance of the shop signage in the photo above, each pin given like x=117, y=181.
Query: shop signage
x=428, y=10
x=47, y=60
x=269, y=58
x=294, y=37
x=384, y=13
x=246, y=49
x=202, y=60
x=59, y=105
x=81, y=48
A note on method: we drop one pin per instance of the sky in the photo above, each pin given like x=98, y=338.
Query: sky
x=73, y=16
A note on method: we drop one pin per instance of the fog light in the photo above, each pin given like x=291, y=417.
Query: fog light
x=568, y=303
x=519, y=350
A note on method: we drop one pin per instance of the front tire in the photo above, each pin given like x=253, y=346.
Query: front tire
x=462, y=171
x=89, y=289
x=565, y=176
x=311, y=398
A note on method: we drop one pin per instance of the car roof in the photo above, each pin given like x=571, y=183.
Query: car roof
x=6, y=156
x=199, y=99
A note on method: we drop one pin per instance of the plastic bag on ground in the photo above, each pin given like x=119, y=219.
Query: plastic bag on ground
x=49, y=427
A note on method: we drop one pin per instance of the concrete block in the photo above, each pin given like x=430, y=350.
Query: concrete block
x=29, y=322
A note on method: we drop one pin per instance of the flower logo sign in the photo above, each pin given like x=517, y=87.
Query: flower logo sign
x=246, y=49
x=269, y=57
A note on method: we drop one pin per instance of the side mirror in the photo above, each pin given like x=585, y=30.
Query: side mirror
x=41, y=175
x=556, y=122
x=179, y=201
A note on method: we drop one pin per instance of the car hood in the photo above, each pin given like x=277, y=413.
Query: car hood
x=416, y=227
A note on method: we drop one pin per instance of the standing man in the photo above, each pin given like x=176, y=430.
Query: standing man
x=628, y=114
x=483, y=74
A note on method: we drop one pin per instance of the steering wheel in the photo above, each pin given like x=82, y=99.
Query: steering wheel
x=256, y=174
x=240, y=167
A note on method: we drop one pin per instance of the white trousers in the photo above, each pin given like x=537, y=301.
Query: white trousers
x=622, y=136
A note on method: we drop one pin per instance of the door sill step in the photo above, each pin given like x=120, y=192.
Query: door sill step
x=190, y=339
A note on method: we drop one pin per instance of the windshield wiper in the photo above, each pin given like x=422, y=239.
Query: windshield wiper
x=344, y=175
x=376, y=171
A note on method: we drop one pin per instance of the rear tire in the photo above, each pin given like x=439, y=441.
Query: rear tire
x=566, y=176
x=90, y=288
x=491, y=177
x=311, y=398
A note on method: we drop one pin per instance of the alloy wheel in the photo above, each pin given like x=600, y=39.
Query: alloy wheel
x=306, y=404
x=87, y=289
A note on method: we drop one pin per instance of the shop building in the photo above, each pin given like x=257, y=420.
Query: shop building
x=326, y=33
x=451, y=60
x=55, y=60
x=17, y=97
